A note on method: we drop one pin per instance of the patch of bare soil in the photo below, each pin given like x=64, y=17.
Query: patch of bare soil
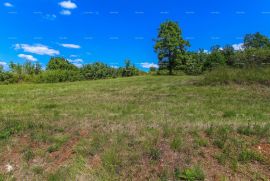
x=12, y=157
x=264, y=149
x=95, y=162
x=65, y=153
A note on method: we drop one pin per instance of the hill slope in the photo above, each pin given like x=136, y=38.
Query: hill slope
x=152, y=127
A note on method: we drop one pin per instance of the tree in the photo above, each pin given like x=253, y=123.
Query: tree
x=58, y=63
x=256, y=40
x=1, y=68
x=16, y=68
x=38, y=68
x=228, y=52
x=169, y=45
x=216, y=57
x=129, y=70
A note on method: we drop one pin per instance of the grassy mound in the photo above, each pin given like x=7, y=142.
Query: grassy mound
x=225, y=75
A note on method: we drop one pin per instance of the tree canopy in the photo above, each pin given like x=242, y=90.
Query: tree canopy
x=170, y=45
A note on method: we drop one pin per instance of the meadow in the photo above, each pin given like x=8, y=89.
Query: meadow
x=137, y=128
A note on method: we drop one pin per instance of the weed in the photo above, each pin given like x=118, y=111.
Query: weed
x=58, y=142
x=111, y=160
x=10, y=127
x=192, y=174
x=38, y=170
x=28, y=154
x=248, y=155
x=154, y=153
x=176, y=144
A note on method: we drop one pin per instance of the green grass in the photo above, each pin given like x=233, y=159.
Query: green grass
x=144, y=127
x=226, y=75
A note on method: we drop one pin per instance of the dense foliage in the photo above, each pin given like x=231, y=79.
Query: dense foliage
x=59, y=69
x=170, y=45
x=173, y=57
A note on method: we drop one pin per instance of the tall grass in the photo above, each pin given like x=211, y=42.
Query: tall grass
x=226, y=75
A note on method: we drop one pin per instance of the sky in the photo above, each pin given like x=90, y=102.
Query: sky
x=110, y=31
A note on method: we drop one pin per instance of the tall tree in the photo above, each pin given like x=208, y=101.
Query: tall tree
x=59, y=63
x=256, y=40
x=170, y=45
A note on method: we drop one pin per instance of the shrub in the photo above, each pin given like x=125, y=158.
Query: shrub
x=98, y=71
x=8, y=78
x=53, y=76
x=193, y=67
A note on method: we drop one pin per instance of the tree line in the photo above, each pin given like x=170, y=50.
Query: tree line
x=173, y=56
x=59, y=69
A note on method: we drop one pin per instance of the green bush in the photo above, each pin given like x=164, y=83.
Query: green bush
x=54, y=76
x=8, y=78
x=98, y=71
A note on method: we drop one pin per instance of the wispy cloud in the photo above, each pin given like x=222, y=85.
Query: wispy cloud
x=27, y=57
x=148, y=65
x=67, y=5
x=78, y=60
x=71, y=46
x=37, y=49
x=65, y=12
x=7, y=4
x=50, y=17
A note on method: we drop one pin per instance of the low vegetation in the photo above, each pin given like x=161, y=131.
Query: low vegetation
x=146, y=127
x=226, y=75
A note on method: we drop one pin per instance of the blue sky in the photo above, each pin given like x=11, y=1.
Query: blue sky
x=86, y=31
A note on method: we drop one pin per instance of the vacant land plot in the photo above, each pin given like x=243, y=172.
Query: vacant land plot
x=140, y=128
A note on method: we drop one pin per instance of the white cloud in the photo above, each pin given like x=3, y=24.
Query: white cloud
x=65, y=12
x=3, y=64
x=238, y=47
x=37, y=49
x=73, y=56
x=68, y=5
x=71, y=46
x=148, y=65
x=27, y=57
x=7, y=4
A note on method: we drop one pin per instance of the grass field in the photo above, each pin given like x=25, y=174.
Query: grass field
x=139, y=128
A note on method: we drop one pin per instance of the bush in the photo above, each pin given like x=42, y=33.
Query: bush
x=54, y=76
x=8, y=78
x=194, y=67
x=98, y=71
